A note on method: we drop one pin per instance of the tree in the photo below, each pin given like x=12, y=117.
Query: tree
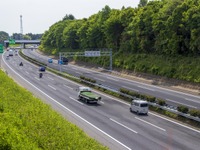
x=69, y=17
x=142, y=3
x=3, y=36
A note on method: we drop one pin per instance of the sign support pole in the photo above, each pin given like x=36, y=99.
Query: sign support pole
x=110, y=59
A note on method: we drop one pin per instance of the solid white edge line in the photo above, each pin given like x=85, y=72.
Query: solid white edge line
x=150, y=124
x=69, y=109
x=180, y=103
x=146, y=88
x=123, y=126
x=176, y=123
x=112, y=78
x=130, y=88
x=75, y=100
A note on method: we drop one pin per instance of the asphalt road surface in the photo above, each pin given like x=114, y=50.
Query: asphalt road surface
x=172, y=97
x=109, y=121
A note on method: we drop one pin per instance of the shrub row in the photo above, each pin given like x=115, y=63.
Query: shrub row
x=87, y=79
x=161, y=102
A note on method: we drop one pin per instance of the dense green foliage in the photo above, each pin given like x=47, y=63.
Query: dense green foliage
x=27, y=123
x=28, y=36
x=159, y=37
x=3, y=36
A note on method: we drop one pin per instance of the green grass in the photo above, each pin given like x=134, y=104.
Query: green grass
x=29, y=124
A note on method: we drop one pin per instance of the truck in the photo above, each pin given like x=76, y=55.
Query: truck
x=86, y=94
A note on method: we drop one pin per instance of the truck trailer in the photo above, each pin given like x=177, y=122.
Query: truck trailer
x=86, y=94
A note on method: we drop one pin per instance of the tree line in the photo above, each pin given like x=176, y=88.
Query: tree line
x=169, y=27
x=18, y=36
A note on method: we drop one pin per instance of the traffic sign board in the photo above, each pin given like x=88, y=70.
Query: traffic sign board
x=92, y=53
x=1, y=48
x=11, y=41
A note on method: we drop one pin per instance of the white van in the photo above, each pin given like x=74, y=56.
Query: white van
x=139, y=106
x=10, y=52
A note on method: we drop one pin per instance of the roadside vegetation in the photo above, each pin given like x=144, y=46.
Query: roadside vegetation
x=27, y=123
x=158, y=37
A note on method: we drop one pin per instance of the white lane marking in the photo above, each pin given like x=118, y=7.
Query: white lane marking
x=180, y=103
x=126, y=87
x=75, y=100
x=70, y=110
x=101, y=102
x=52, y=87
x=150, y=124
x=37, y=79
x=78, y=72
x=99, y=79
x=68, y=86
x=65, y=69
x=122, y=125
x=175, y=122
x=146, y=88
x=196, y=101
x=50, y=78
x=27, y=72
x=112, y=78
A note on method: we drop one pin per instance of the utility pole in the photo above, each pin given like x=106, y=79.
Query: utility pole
x=21, y=28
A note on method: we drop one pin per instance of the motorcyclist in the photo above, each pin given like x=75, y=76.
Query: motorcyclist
x=40, y=75
x=21, y=64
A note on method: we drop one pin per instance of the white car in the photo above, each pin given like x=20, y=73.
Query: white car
x=139, y=106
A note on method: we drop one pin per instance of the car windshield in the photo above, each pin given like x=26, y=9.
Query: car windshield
x=144, y=105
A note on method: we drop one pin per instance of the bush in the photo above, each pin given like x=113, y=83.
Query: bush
x=123, y=90
x=161, y=102
x=183, y=109
x=194, y=112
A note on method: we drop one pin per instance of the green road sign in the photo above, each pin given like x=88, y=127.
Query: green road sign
x=1, y=48
x=11, y=41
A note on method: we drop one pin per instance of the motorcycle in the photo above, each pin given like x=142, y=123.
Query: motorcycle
x=21, y=64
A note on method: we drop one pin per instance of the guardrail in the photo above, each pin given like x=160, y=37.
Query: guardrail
x=166, y=107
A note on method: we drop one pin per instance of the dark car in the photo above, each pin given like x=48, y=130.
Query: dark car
x=64, y=60
x=42, y=68
x=50, y=60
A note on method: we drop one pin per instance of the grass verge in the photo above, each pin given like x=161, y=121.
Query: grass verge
x=27, y=123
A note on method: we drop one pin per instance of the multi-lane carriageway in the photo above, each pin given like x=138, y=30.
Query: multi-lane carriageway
x=172, y=97
x=110, y=121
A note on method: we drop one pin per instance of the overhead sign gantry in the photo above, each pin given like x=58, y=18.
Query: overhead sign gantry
x=89, y=53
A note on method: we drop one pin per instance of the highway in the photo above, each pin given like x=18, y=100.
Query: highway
x=172, y=97
x=109, y=121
